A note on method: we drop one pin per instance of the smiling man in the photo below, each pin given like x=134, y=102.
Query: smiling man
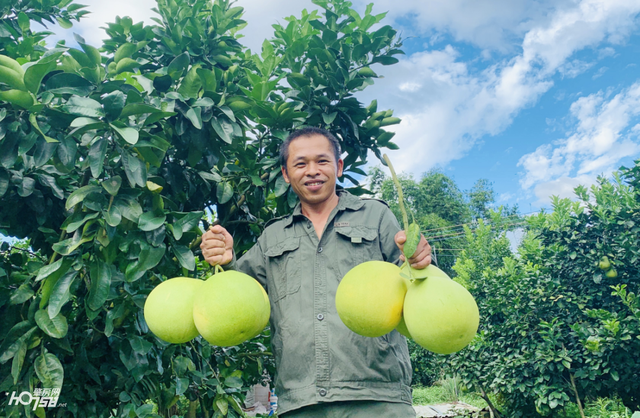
x=323, y=368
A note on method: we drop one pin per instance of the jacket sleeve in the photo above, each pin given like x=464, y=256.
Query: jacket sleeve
x=387, y=229
x=251, y=263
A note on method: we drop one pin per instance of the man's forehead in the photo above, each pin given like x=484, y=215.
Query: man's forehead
x=304, y=144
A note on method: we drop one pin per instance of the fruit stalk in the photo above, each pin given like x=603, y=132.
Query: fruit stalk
x=405, y=218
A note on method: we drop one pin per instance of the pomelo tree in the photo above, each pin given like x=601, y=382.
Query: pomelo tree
x=111, y=155
x=558, y=326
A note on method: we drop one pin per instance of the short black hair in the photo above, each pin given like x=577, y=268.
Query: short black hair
x=308, y=131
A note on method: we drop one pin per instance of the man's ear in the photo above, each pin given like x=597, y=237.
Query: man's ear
x=284, y=174
x=340, y=167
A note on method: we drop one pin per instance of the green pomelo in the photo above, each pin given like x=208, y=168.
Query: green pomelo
x=402, y=328
x=369, y=298
x=168, y=309
x=230, y=308
x=440, y=314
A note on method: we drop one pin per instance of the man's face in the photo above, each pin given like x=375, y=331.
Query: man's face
x=312, y=169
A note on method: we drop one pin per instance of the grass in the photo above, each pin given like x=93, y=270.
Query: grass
x=439, y=394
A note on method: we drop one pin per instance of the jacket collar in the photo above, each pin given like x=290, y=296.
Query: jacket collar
x=346, y=201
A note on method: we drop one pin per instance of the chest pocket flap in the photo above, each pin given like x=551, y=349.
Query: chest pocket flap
x=357, y=233
x=283, y=268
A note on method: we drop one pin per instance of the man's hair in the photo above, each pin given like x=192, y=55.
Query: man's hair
x=309, y=131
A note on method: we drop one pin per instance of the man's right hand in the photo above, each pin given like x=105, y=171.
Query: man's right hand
x=217, y=246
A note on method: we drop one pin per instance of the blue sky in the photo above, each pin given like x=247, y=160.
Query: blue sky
x=535, y=96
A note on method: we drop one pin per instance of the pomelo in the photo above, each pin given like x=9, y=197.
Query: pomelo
x=402, y=328
x=440, y=314
x=168, y=309
x=230, y=308
x=369, y=298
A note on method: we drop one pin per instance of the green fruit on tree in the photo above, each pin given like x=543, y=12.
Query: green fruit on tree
x=230, y=308
x=441, y=315
x=604, y=263
x=612, y=274
x=168, y=309
x=369, y=298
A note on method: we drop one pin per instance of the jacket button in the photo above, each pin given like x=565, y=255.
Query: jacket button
x=320, y=317
x=323, y=392
x=320, y=249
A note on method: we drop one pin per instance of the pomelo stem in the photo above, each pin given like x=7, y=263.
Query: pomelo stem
x=405, y=218
x=218, y=269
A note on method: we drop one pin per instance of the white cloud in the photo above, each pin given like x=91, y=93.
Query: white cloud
x=605, y=133
x=457, y=104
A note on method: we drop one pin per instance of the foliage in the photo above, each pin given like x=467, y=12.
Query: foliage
x=436, y=394
x=109, y=159
x=554, y=325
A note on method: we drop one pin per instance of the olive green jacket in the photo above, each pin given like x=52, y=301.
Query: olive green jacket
x=318, y=358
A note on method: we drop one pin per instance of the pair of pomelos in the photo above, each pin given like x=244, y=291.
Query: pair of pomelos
x=437, y=313
x=226, y=309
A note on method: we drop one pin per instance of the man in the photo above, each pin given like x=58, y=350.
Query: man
x=323, y=368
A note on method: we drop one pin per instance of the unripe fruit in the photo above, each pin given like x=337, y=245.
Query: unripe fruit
x=441, y=315
x=604, y=263
x=369, y=298
x=230, y=308
x=168, y=309
x=612, y=274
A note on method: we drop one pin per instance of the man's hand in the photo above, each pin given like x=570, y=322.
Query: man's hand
x=217, y=246
x=422, y=257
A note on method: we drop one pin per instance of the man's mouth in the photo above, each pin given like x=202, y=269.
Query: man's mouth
x=314, y=183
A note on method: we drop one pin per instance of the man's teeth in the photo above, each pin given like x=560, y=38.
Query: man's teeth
x=314, y=184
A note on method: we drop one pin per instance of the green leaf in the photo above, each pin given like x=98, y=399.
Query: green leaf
x=191, y=84
x=281, y=186
x=55, y=327
x=223, y=128
x=150, y=257
x=223, y=406
x=134, y=109
x=128, y=134
x=329, y=118
x=135, y=170
x=24, y=23
x=64, y=23
x=185, y=257
x=233, y=382
x=68, y=83
x=113, y=104
x=49, y=371
x=188, y=222
x=83, y=106
x=23, y=294
x=384, y=60
x=182, y=384
x=178, y=65
x=195, y=116
x=18, y=361
x=79, y=195
x=12, y=347
x=224, y=192
x=96, y=156
x=50, y=269
x=34, y=74
x=112, y=185
x=413, y=239
x=25, y=188
x=149, y=221
x=129, y=207
x=61, y=293
x=125, y=50
x=34, y=123
x=4, y=182
x=100, y=274
x=113, y=216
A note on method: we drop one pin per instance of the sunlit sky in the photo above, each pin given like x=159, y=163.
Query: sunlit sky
x=535, y=96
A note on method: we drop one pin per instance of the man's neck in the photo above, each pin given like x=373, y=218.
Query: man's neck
x=319, y=214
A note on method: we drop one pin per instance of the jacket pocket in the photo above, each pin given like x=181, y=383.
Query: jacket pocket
x=359, y=244
x=284, y=268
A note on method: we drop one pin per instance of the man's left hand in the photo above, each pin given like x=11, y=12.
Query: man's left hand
x=422, y=257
